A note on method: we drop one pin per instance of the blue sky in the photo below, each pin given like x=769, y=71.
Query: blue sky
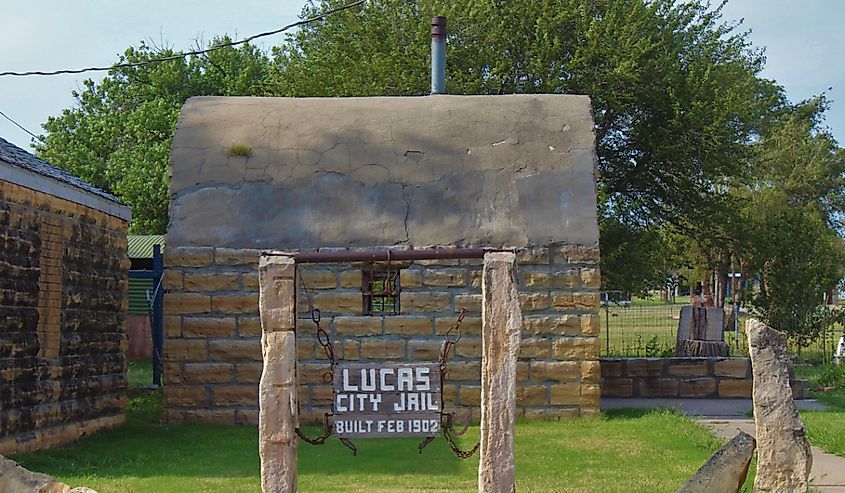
x=804, y=41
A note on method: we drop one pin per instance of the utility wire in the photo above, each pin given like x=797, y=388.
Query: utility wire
x=185, y=53
x=4, y=115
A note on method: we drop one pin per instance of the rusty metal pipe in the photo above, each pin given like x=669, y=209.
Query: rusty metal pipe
x=388, y=255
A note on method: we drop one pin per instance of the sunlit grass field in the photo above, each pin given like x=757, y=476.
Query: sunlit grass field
x=635, y=451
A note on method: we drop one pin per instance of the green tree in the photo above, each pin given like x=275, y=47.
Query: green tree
x=793, y=217
x=118, y=134
x=675, y=91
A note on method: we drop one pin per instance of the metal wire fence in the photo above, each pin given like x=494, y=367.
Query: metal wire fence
x=640, y=329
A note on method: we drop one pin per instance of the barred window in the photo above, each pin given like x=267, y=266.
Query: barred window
x=381, y=292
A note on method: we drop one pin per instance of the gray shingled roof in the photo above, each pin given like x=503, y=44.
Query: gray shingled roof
x=16, y=156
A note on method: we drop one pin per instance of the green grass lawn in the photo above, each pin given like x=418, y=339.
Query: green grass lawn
x=826, y=429
x=631, y=451
x=139, y=372
x=648, y=328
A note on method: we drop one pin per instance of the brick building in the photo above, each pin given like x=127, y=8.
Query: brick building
x=304, y=175
x=63, y=276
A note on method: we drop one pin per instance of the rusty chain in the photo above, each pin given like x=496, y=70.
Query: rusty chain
x=453, y=336
x=326, y=342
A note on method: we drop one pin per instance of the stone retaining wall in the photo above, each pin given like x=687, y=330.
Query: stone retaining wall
x=696, y=378
x=63, y=281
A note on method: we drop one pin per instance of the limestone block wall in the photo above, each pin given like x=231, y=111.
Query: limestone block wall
x=213, y=357
x=63, y=280
x=376, y=173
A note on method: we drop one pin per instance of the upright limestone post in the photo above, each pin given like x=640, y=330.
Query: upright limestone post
x=784, y=458
x=502, y=333
x=277, y=393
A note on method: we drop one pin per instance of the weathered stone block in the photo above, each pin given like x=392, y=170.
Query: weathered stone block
x=470, y=395
x=445, y=277
x=551, y=413
x=249, y=326
x=576, y=254
x=535, y=279
x=555, y=371
x=249, y=281
x=568, y=278
x=576, y=348
x=409, y=325
x=340, y=302
x=171, y=280
x=321, y=395
x=535, y=348
x=590, y=278
x=189, y=257
x=426, y=301
x=468, y=348
x=233, y=350
x=409, y=278
x=463, y=371
x=211, y=281
x=236, y=256
x=611, y=367
x=173, y=326
x=235, y=304
x=185, y=350
x=591, y=372
x=534, y=301
x=735, y=368
x=568, y=394
x=617, y=387
x=645, y=367
x=564, y=300
x=735, y=388
x=352, y=278
x=471, y=326
x=569, y=325
x=234, y=395
x=532, y=256
x=531, y=395
x=590, y=325
x=321, y=279
x=680, y=367
x=208, y=327
x=203, y=373
x=424, y=350
x=358, y=326
x=382, y=349
x=469, y=302
x=658, y=387
x=312, y=373
x=249, y=373
x=175, y=396
x=186, y=303
x=697, y=388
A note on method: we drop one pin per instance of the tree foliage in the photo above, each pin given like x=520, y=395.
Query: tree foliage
x=793, y=211
x=699, y=157
x=118, y=134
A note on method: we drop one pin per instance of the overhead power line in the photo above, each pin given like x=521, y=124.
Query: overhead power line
x=4, y=115
x=185, y=53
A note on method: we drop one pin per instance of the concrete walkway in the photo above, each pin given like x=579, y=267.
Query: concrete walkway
x=726, y=417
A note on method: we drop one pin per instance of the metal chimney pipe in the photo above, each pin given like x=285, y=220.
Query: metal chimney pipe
x=438, y=55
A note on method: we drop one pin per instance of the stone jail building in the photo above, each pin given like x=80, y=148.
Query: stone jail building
x=253, y=174
x=63, y=279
